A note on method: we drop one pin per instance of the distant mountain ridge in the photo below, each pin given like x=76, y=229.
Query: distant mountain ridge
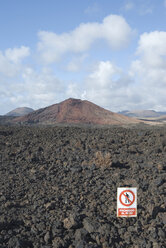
x=142, y=113
x=75, y=111
x=20, y=111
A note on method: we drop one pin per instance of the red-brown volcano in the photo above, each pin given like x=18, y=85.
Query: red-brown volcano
x=75, y=111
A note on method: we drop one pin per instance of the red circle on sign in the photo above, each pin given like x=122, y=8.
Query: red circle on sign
x=122, y=193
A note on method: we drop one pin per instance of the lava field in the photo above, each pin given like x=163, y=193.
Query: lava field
x=58, y=186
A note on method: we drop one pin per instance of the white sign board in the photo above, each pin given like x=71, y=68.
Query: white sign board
x=127, y=202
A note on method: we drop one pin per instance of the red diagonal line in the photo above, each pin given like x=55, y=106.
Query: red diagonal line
x=127, y=197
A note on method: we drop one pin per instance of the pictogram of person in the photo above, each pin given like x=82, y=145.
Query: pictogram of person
x=127, y=198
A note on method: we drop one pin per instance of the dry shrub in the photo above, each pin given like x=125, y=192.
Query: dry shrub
x=102, y=159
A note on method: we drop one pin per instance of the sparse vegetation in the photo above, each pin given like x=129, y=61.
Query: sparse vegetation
x=102, y=159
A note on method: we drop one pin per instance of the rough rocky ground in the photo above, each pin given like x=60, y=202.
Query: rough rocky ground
x=58, y=186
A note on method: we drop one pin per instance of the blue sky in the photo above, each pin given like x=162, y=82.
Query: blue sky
x=112, y=53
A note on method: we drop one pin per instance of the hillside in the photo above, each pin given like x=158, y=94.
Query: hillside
x=20, y=111
x=142, y=113
x=75, y=111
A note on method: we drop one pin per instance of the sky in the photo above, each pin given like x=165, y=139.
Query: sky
x=112, y=53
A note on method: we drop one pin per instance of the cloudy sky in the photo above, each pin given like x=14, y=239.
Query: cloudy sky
x=112, y=53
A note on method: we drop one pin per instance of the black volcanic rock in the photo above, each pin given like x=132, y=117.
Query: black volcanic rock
x=44, y=202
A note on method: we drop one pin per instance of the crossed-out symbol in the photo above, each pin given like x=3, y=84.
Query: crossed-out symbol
x=127, y=193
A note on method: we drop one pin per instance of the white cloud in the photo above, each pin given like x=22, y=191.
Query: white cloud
x=17, y=54
x=6, y=67
x=103, y=75
x=152, y=48
x=42, y=88
x=9, y=66
x=75, y=64
x=149, y=69
x=73, y=90
x=108, y=86
x=114, y=29
x=34, y=89
x=142, y=87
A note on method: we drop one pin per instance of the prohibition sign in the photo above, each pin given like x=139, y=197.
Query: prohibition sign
x=130, y=201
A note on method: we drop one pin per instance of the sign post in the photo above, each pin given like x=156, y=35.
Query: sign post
x=127, y=202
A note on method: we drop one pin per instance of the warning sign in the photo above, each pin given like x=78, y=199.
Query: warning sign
x=127, y=202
